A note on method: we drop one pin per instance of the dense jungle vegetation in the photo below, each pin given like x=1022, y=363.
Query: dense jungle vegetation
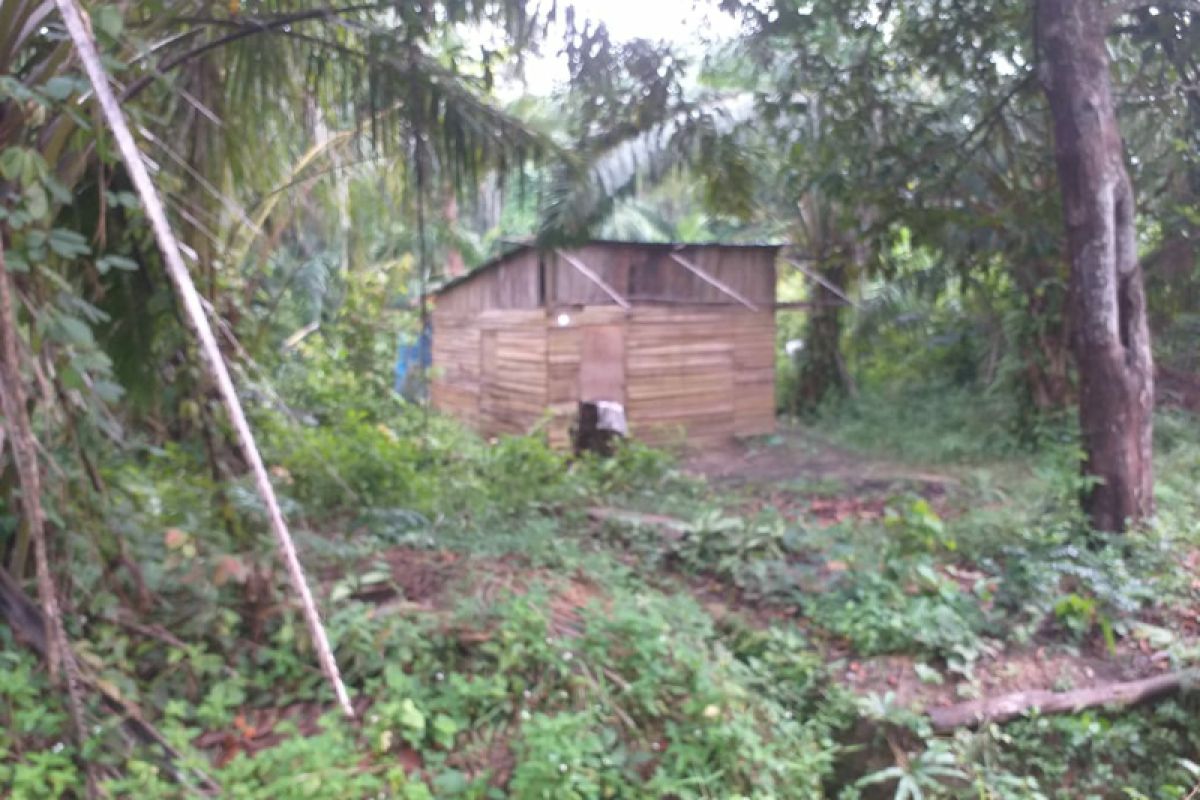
x=984, y=478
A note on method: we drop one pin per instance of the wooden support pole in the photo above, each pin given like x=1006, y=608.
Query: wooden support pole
x=587, y=272
x=711, y=281
x=819, y=278
x=189, y=298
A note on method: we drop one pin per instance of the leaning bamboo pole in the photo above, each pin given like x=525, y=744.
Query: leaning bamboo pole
x=80, y=31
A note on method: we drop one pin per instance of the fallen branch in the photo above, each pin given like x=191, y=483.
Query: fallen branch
x=1010, y=706
x=189, y=298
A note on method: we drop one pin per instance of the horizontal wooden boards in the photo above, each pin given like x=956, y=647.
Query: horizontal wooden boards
x=513, y=385
x=707, y=372
x=455, y=373
x=638, y=272
x=696, y=374
x=513, y=283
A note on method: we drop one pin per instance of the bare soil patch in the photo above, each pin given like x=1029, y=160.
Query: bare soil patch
x=1035, y=668
x=797, y=453
x=439, y=581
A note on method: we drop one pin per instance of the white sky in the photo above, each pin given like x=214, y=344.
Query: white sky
x=686, y=23
x=672, y=20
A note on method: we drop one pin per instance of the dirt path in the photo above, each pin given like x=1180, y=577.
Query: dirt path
x=798, y=453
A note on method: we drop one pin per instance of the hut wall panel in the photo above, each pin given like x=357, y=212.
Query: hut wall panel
x=639, y=273
x=658, y=278
x=754, y=361
x=511, y=284
x=705, y=374
x=454, y=388
x=694, y=360
x=564, y=347
x=679, y=374
x=514, y=380
x=648, y=274
x=567, y=286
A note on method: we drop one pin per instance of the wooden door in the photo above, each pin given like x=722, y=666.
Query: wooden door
x=602, y=363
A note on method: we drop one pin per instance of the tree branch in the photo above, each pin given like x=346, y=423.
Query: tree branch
x=1007, y=707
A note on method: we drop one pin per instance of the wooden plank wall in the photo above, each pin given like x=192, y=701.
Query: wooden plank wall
x=709, y=372
x=697, y=366
x=697, y=375
x=646, y=273
x=510, y=284
x=567, y=286
x=489, y=368
x=753, y=338
x=513, y=390
x=454, y=379
x=637, y=272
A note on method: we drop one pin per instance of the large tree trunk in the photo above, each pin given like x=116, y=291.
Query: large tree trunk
x=1111, y=336
x=821, y=374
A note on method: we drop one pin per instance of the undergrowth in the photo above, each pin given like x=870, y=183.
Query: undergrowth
x=649, y=691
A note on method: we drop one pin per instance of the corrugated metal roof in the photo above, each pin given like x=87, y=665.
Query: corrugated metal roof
x=524, y=248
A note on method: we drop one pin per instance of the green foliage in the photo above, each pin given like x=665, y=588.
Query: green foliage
x=903, y=610
x=34, y=759
x=912, y=131
x=1126, y=751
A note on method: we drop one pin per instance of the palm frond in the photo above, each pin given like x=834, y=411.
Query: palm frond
x=583, y=193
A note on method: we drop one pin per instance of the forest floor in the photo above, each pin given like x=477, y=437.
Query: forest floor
x=809, y=479
x=729, y=619
x=804, y=479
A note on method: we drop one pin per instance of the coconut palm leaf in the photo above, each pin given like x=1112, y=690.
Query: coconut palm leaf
x=583, y=193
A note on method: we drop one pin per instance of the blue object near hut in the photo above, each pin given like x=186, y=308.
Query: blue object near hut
x=412, y=363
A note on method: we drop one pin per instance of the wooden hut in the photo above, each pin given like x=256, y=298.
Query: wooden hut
x=683, y=335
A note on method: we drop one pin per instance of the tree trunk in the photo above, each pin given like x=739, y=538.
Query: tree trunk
x=821, y=373
x=972, y=713
x=1111, y=335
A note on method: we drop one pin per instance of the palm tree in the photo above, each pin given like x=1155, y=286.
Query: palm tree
x=211, y=96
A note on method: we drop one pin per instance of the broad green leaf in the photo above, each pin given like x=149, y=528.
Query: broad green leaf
x=68, y=243
x=411, y=716
x=36, y=202
x=15, y=261
x=450, y=783
x=71, y=379
x=21, y=165
x=107, y=19
x=108, y=391
x=73, y=331
x=112, y=262
x=444, y=730
x=60, y=87
x=59, y=192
